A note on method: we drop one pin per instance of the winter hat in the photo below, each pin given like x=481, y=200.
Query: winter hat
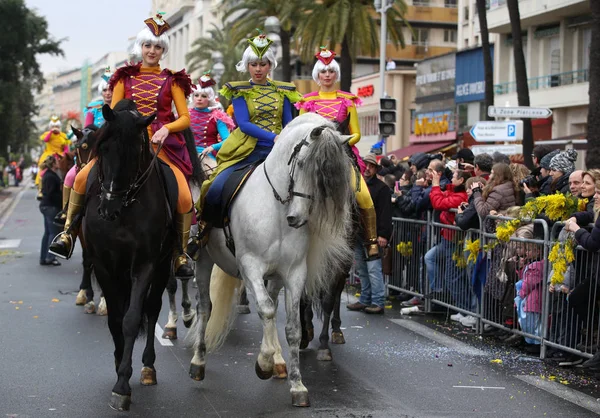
x=545, y=161
x=564, y=161
x=419, y=160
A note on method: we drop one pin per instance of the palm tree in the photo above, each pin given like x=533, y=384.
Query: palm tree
x=221, y=40
x=349, y=23
x=592, y=159
x=488, y=67
x=521, y=77
x=248, y=15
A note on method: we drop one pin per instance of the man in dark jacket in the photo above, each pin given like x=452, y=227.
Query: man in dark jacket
x=50, y=205
x=372, y=295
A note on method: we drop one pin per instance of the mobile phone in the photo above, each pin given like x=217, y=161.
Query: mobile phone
x=461, y=166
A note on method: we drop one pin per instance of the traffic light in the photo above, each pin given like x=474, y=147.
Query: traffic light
x=387, y=117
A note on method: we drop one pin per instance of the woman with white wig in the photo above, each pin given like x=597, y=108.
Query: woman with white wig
x=262, y=108
x=154, y=90
x=340, y=106
x=210, y=125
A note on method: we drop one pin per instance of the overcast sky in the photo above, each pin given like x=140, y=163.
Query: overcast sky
x=93, y=28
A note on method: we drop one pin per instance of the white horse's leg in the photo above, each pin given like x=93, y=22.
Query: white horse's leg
x=280, y=369
x=189, y=314
x=253, y=273
x=171, y=327
x=204, y=267
x=293, y=331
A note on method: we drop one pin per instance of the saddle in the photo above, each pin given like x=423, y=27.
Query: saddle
x=171, y=191
x=219, y=217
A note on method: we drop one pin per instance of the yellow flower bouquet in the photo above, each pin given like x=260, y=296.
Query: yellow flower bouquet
x=405, y=249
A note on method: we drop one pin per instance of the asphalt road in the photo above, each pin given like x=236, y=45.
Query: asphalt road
x=56, y=361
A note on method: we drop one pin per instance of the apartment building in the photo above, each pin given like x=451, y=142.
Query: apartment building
x=556, y=37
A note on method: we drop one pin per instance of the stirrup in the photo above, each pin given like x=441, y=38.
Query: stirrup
x=62, y=246
x=182, y=267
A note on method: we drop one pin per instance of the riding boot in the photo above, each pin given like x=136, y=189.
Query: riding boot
x=183, y=270
x=369, y=221
x=61, y=216
x=64, y=243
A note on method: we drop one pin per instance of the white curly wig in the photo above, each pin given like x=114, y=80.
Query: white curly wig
x=210, y=93
x=250, y=57
x=145, y=35
x=319, y=66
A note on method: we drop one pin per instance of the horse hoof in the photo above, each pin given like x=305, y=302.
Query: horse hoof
x=170, y=334
x=197, y=372
x=148, y=377
x=280, y=371
x=303, y=344
x=120, y=402
x=300, y=399
x=311, y=334
x=324, y=355
x=262, y=375
x=89, y=308
x=102, y=311
x=81, y=298
x=188, y=323
x=243, y=309
x=337, y=338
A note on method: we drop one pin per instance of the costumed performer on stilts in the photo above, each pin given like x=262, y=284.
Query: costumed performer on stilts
x=56, y=142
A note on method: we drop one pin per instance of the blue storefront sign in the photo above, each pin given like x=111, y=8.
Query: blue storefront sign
x=470, y=77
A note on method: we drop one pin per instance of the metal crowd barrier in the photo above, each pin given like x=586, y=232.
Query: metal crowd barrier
x=508, y=287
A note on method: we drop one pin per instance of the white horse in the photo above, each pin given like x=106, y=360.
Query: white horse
x=290, y=225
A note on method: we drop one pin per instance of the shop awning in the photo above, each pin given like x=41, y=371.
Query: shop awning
x=406, y=152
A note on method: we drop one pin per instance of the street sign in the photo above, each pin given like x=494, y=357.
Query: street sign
x=510, y=130
x=519, y=112
x=504, y=149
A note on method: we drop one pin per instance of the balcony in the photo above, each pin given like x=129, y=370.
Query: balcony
x=416, y=52
x=428, y=14
x=535, y=13
x=552, y=91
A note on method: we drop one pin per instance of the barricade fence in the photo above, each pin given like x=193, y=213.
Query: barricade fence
x=501, y=284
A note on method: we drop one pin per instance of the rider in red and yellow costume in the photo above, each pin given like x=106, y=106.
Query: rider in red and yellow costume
x=337, y=105
x=153, y=90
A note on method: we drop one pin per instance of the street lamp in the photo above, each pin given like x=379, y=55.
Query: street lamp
x=273, y=27
x=382, y=6
x=218, y=68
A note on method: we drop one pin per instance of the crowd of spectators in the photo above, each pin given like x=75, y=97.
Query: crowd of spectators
x=466, y=188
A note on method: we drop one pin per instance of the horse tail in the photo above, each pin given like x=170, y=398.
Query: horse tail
x=224, y=307
x=197, y=174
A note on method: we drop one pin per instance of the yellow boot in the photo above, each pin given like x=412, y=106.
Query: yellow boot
x=369, y=221
x=183, y=269
x=61, y=217
x=64, y=243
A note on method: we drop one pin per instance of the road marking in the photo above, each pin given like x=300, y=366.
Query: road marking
x=480, y=387
x=558, y=389
x=9, y=243
x=438, y=337
x=158, y=332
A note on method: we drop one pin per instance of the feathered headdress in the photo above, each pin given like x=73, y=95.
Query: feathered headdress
x=325, y=55
x=157, y=24
x=260, y=44
x=206, y=80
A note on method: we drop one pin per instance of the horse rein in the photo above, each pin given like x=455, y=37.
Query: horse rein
x=293, y=162
x=133, y=189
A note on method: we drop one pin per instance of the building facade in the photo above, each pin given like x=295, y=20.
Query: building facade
x=556, y=39
x=67, y=92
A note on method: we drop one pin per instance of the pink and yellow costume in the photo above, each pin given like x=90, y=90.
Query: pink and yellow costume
x=56, y=143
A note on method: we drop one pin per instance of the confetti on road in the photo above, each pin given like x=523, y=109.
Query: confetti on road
x=55, y=300
x=496, y=361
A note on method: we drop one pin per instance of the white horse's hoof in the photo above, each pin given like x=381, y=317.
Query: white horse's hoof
x=324, y=355
x=280, y=371
x=102, y=311
x=89, y=307
x=170, y=334
x=81, y=298
x=300, y=399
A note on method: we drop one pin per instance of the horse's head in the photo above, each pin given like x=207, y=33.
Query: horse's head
x=86, y=139
x=320, y=174
x=122, y=150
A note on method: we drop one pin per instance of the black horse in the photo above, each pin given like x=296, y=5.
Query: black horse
x=130, y=238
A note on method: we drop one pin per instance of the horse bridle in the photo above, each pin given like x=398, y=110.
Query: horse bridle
x=292, y=162
x=130, y=193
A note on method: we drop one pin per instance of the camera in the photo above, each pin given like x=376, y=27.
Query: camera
x=531, y=182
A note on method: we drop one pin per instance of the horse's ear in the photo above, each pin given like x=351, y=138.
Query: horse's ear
x=316, y=132
x=345, y=138
x=108, y=113
x=146, y=120
x=77, y=132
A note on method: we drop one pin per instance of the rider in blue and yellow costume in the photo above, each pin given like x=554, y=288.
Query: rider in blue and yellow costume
x=262, y=108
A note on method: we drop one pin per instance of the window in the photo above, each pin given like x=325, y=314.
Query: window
x=466, y=13
x=420, y=36
x=421, y=2
x=450, y=3
x=466, y=42
x=450, y=36
x=476, y=40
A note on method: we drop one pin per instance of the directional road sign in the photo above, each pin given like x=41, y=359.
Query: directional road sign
x=519, y=112
x=511, y=130
x=504, y=149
